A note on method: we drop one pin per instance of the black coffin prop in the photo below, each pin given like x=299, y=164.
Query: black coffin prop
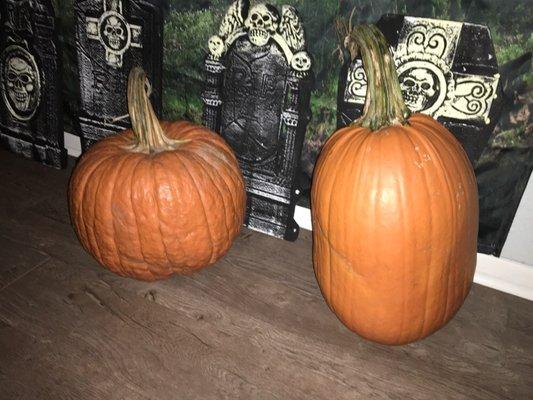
x=257, y=97
x=446, y=69
x=30, y=105
x=113, y=36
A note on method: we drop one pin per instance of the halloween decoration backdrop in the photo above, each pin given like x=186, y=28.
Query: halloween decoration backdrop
x=502, y=169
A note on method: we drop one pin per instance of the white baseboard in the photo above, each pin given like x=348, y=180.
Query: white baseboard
x=497, y=273
x=519, y=243
x=72, y=144
x=505, y=275
x=302, y=216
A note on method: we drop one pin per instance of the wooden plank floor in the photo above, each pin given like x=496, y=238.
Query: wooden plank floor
x=254, y=326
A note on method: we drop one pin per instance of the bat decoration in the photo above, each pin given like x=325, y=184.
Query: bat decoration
x=291, y=28
x=234, y=18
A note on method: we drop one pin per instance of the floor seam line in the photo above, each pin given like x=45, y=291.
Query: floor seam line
x=39, y=264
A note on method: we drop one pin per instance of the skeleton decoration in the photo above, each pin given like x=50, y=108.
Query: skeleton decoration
x=263, y=23
x=115, y=30
x=216, y=47
x=21, y=82
x=301, y=63
x=419, y=86
x=446, y=69
x=30, y=114
x=258, y=85
x=112, y=37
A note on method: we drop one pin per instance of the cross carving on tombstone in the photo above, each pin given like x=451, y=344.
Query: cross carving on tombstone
x=114, y=32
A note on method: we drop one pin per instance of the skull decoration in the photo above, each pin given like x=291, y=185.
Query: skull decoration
x=114, y=32
x=216, y=47
x=262, y=22
x=301, y=62
x=21, y=82
x=418, y=87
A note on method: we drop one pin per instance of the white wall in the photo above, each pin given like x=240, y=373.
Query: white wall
x=519, y=243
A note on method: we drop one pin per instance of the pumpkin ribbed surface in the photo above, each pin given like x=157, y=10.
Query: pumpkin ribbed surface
x=395, y=212
x=150, y=215
x=395, y=217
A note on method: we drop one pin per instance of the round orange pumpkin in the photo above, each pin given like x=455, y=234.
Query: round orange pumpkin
x=162, y=198
x=394, y=212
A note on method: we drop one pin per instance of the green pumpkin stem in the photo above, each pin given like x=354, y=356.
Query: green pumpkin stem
x=149, y=135
x=384, y=104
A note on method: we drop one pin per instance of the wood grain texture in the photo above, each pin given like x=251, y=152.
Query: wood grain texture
x=254, y=326
x=16, y=263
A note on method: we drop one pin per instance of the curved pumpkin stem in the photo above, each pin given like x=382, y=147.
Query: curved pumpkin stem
x=149, y=135
x=384, y=104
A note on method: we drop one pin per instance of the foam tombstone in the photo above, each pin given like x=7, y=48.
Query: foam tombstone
x=112, y=37
x=30, y=93
x=257, y=92
x=447, y=70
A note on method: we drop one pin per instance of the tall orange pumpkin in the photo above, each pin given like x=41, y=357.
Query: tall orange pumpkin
x=394, y=211
x=164, y=198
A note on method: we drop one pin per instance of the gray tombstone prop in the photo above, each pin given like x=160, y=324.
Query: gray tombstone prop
x=113, y=36
x=257, y=97
x=31, y=120
x=446, y=69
